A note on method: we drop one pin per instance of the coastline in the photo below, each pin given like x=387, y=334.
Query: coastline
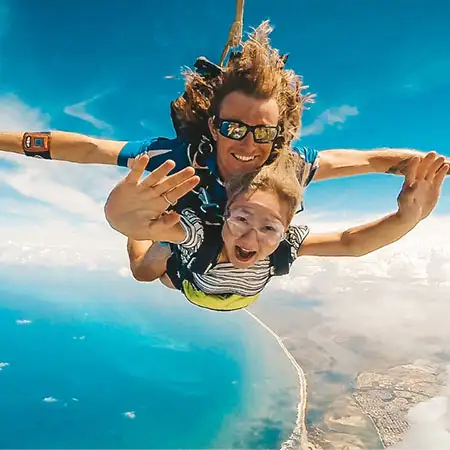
x=298, y=438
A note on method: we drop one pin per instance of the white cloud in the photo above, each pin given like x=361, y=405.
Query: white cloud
x=420, y=78
x=49, y=399
x=395, y=303
x=60, y=243
x=17, y=116
x=79, y=110
x=130, y=414
x=124, y=272
x=396, y=296
x=23, y=322
x=64, y=187
x=3, y=365
x=66, y=226
x=31, y=184
x=331, y=116
x=74, y=188
x=429, y=425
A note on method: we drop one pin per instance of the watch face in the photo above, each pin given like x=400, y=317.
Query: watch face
x=37, y=145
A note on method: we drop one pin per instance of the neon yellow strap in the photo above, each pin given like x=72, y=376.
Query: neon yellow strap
x=217, y=302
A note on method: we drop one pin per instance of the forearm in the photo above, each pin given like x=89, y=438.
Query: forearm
x=137, y=249
x=364, y=239
x=394, y=160
x=339, y=163
x=65, y=146
x=137, y=252
x=360, y=240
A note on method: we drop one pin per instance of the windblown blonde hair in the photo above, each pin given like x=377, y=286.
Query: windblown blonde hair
x=281, y=177
x=259, y=71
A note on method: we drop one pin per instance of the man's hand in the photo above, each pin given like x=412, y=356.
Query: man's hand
x=401, y=168
x=422, y=187
x=137, y=208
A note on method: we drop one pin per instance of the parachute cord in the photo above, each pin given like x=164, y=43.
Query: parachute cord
x=235, y=34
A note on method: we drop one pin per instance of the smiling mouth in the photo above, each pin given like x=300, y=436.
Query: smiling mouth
x=243, y=158
x=242, y=254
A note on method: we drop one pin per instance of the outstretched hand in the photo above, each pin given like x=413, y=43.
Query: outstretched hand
x=137, y=208
x=422, y=186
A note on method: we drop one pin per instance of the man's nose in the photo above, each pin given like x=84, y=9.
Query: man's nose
x=248, y=143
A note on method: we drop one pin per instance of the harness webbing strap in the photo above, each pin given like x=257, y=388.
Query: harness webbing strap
x=206, y=255
x=209, y=252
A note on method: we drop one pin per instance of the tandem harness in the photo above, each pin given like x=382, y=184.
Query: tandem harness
x=211, y=213
x=208, y=254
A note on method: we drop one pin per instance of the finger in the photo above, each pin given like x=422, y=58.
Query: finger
x=165, y=221
x=411, y=172
x=425, y=164
x=174, y=180
x=182, y=189
x=171, y=219
x=434, y=168
x=158, y=174
x=439, y=178
x=137, y=166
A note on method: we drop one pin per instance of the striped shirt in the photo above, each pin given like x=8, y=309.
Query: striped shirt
x=223, y=278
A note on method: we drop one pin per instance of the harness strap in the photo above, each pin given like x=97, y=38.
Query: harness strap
x=207, y=255
x=209, y=251
x=174, y=267
x=281, y=259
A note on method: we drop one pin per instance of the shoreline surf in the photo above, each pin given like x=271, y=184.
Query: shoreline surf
x=298, y=438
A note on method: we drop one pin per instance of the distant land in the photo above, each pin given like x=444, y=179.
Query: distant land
x=359, y=393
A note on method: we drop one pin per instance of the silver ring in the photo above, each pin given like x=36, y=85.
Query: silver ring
x=164, y=196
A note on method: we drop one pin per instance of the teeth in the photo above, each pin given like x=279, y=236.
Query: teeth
x=244, y=253
x=243, y=158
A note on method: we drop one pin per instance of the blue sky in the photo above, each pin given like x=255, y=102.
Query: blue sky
x=380, y=71
x=111, y=68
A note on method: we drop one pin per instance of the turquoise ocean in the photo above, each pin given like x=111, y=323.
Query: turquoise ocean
x=94, y=360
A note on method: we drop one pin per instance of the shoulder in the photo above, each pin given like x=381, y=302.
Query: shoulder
x=159, y=149
x=308, y=154
x=310, y=157
x=287, y=252
x=193, y=228
x=296, y=234
x=189, y=215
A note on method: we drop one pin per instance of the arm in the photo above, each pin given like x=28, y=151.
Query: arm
x=148, y=259
x=343, y=163
x=64, y=146
x=418, y=197
x=137, y=251
x=358, y=241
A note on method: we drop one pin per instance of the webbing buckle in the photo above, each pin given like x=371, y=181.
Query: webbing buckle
x=206, y=203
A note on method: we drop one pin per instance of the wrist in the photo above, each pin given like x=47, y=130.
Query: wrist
x=408, y=218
